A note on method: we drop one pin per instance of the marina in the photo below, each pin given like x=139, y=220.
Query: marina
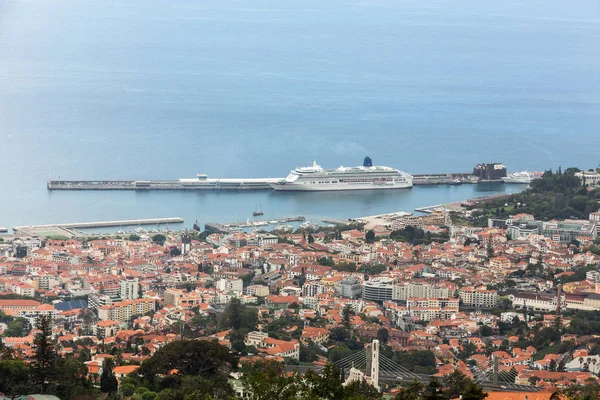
x=72, y=229
x=236, y=226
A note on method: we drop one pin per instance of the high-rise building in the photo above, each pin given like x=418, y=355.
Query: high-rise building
x=378, y=289
x=129, y=288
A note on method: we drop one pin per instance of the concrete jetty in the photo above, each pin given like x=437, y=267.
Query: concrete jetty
x=104, y=224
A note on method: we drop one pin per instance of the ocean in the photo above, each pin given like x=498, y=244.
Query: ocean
x=131, y=89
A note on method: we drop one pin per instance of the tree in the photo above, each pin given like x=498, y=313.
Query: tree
x=311, y=239
x=326, y=261
x=270, y=384
x=455, y=383
x=552, y=365
x=485, y=330
x=17, y=328
x=72, y=380
x=473, y=391
x=383, y=335
x=346, y=314
x=44, y=359
x=159, y=239
x=412, y=391
x=190, y=357
x=108, y=381
x=14, y=378
x=361, y=390
x=434, y=391
x=238, y=316
x=327, y=385
x=370, y=236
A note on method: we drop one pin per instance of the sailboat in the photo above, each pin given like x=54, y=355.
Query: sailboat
x=258, y=213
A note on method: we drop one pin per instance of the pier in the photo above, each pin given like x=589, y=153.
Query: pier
x=226, y=184
x=488, y=172
x=202, y=183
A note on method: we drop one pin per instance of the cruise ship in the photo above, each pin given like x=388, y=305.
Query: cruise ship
x=365, y=177
x=521, y=177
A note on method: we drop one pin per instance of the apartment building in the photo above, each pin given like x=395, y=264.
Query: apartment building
x=230, y=285
x=129, y=288
x=122, y=311
x=405, y=290
x=257, y=290
x=473, y=297
x=428, y=309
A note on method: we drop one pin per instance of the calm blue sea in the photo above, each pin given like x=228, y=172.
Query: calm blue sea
x=251, y=88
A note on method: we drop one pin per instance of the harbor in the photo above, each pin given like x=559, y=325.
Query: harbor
x=313, y=178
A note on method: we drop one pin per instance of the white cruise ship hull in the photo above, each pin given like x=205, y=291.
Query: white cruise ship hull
x=309, y=187
x=517, y=180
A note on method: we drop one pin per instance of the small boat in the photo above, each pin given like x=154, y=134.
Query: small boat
x=3, y=229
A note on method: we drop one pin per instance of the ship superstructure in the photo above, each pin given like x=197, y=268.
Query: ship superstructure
x=365, y=177
x=521, y=177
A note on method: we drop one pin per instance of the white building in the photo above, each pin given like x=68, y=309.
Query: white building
x=406, y=290
x=129, y=288
x=478, y=297
x=258, y=290
x=589, y=178
x=535, y=301
x=592, y=277
x=378, y=289
x=430, y=309
x=230, y=285
x=311, y=289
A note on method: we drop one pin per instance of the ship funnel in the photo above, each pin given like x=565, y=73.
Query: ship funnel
x=367, y=162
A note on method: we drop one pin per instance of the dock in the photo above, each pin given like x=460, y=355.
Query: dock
x=443, y=179
x=70, y=230
x=201, y=183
